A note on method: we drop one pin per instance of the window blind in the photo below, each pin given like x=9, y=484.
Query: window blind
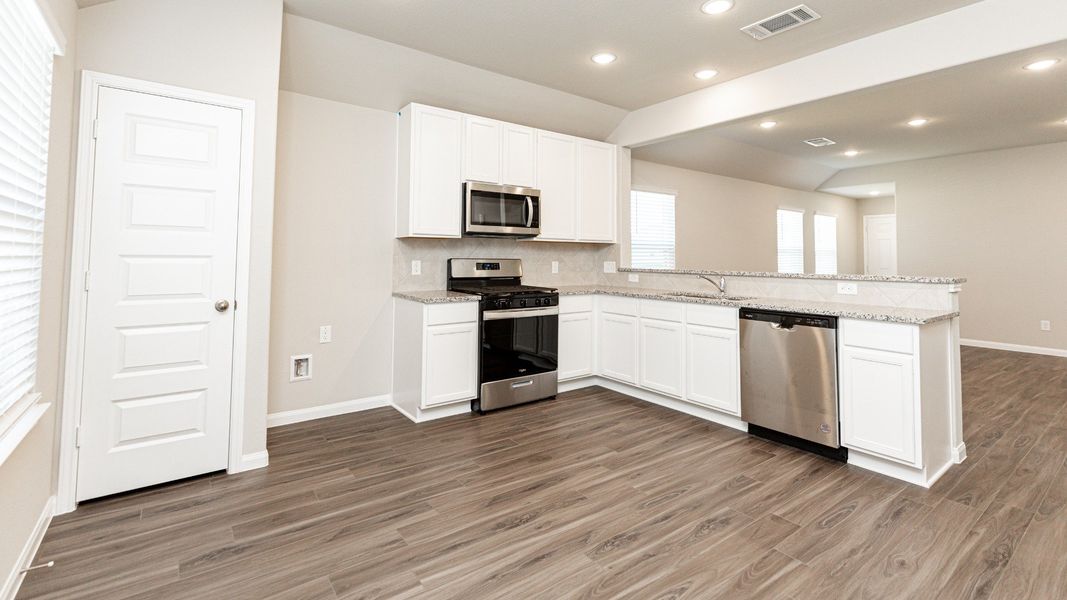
x=826, y=244
x=651, y=230
x=26, y=52
x=790, y=241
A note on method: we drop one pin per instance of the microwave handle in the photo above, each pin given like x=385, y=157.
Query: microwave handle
x=529, y=211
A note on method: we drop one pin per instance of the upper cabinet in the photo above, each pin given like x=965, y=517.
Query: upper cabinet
x=440, y=149
x=430, y=172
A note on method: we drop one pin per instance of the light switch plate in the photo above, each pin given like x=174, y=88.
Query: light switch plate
x=555, y=266
x=609, y=266
x=848, y=288
x=325, y=334
x=416, y=267
x=1046, y=325
x=633, y=278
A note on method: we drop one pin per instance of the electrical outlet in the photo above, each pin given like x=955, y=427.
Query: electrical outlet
x=609, y=266
x=633, y=278
x=300, y=367
x=555, y=266
x=848, y=289
x=325, y=334
x=1046, y=325
x=416, y=267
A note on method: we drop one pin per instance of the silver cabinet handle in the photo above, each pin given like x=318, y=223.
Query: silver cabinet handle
x=222, y=305
x=522, y=384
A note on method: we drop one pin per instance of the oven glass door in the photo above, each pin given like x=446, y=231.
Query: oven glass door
x=492, y=211
x=519, y=347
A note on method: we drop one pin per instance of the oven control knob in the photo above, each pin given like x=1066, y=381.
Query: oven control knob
x=522, y=302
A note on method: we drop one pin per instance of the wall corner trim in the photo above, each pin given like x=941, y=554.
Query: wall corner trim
x=328, y=410
x=252, y=461
x=14, y=579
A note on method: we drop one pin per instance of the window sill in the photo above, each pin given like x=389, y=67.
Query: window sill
x=13, y=435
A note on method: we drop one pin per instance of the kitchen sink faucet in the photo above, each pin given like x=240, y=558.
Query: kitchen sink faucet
x=721, y=284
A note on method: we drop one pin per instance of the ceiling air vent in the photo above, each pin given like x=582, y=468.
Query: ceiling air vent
x=783, y=21
x=820, y=142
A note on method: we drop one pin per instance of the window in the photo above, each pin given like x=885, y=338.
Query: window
x=790, y=241
x=651, y=230
x=26, y=51
x=826, y=244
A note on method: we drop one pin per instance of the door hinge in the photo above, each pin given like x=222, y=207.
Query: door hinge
x=78, y=437
x=87, y=281
x=96, y=127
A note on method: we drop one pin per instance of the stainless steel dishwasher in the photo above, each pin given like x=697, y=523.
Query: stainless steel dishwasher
x=789, y=379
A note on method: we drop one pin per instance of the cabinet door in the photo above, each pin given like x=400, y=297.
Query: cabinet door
x=618, y=347
x=596, y=191
x=878, y=403
x=450, y=363
x=519, y=154
x=436, y=172
x=662, y=357
x=557, y=178
x=712, y=367
x=482, y=149
x=575, y=345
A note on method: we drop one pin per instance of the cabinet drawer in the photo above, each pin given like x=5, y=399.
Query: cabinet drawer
x=662, y=310
x=891, y=337
x=618, y=305
x=575, y=304
x=724, y=317
x=459, y=312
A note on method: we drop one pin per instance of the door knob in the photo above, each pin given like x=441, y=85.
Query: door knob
x=222, y=305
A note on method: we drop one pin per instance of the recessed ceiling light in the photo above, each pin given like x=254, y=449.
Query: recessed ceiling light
x=717, y=7
x=604, y=58
x=768, y=124
x=1041, y=65
x=918, y=122
x=874, y=193
x=851, y=153
x=705, y=74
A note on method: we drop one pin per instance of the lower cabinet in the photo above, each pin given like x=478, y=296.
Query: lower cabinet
x=617, y=344
x=713, y=368
x=451, y=363
x=575, y=345
x=878, y=403
x=662, y=356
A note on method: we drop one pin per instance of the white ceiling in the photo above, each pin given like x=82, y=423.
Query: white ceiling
x=870, y=190
x=985, y=105
x=660, y=43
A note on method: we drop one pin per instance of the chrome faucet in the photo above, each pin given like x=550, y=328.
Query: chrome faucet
x=721, y=284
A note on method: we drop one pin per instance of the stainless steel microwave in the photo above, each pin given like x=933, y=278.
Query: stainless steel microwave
x=500, y=210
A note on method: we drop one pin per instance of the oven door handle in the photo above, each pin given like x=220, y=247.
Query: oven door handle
x=519, y=313
x=529, y=211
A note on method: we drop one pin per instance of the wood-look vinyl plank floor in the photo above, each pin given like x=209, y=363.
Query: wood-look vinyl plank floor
x=593, y=495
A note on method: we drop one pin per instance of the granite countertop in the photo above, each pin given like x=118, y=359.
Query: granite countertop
x=889, y=314
x=840, y=277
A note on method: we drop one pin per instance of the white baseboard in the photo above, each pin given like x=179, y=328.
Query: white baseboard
x=327, y=410
x=959, y=453
x=251, y=461
x=1015, y=347
x=29, y=549
x=437, y=412
x=410, y=416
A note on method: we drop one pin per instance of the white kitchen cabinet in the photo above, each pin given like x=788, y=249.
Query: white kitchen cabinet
x=662, y=356
x=575, y=345
x=712, y=368
x=519, y=155
x=557, y=178
x=617, y=346
x=597, y=197
x=430, y=172
x=878, y=402
x=451, y=363
x=482, y=149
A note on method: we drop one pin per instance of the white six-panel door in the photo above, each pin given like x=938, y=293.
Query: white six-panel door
x=880, y=244
x=158, y=351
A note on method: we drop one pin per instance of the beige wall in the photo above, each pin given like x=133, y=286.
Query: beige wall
x=996, y=218
x=883, y=205
x=730, y=224
x=231, y=48
x=27, y=476
x=336, y=188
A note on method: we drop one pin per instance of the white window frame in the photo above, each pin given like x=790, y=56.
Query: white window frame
x=820, y=269
x=778, y=237
x=19, y=416
x=674, y=239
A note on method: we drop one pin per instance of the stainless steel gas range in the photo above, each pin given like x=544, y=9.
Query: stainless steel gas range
x=519, y=331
